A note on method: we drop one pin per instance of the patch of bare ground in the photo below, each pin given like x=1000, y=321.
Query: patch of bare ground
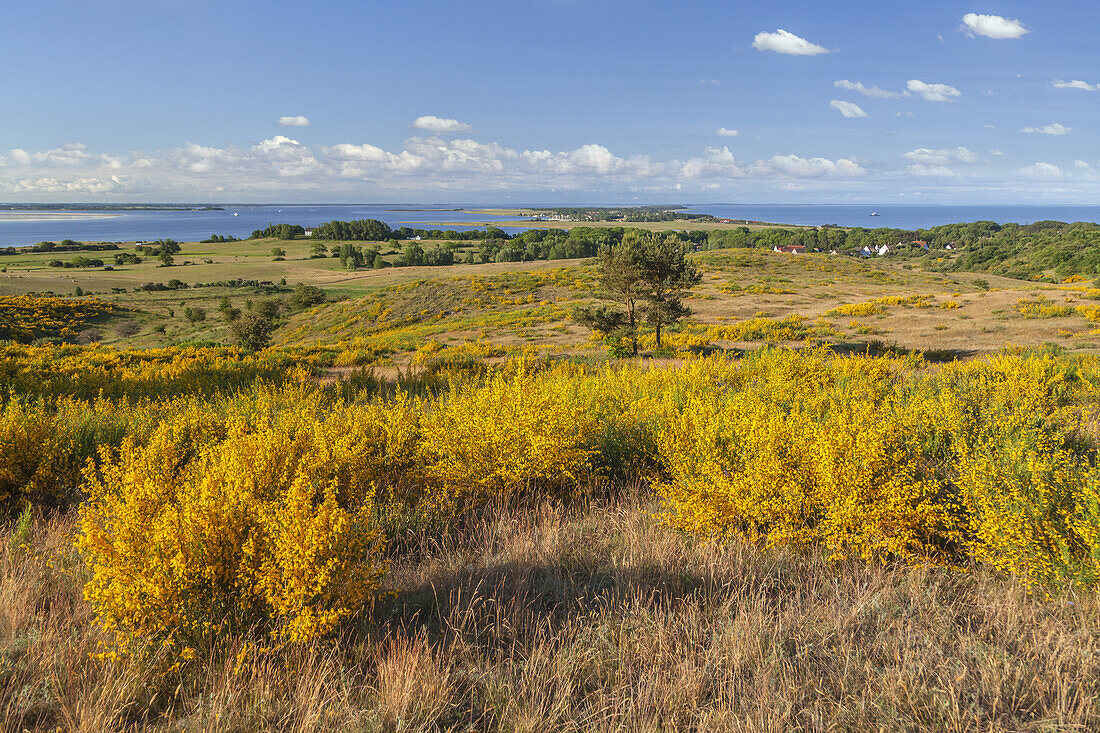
x=587, y=617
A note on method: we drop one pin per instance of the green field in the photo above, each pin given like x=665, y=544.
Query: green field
x=527, y=304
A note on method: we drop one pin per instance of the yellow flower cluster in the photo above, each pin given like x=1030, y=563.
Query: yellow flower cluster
x=270, y=507
x=516, y=429
x=91, y=372
x=791, y=328
x=267, y=510
x=267, y=519
x=1042, y=307
x=856, y=309
x=878, y=305
x=27, y=317
x=979, y=460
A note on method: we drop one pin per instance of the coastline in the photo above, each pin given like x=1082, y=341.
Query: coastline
x=53, y=215
x=657, y=226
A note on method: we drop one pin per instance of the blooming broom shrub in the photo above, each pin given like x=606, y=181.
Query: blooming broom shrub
x=272, y=526
x=872, y=458
x=1027, y=484
x=514, y=429
x=45, y=444
x=266, y=508
x=799, y=454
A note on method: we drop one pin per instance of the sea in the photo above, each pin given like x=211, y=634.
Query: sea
x=25, y=227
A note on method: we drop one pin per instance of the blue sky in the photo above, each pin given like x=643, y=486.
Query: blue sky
x=550, y=101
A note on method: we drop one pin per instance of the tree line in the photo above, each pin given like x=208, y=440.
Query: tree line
x=1041, y=250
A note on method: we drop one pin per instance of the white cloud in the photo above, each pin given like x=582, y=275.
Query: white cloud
x=726, y=132
x=995, y=152
x=848, y=109
x=933, y=92
x=993, y=26
x=712, y=82
x=1054, y=129
x=431, y=123
x=786, y=42
x=66, y=155
x=1082, y=164
x=792, y=165
x=279, y=142
x=1041, y=170
x=945, y=156
x=866, y=91
x=720, y=163
x=294, y=121
x=281, y=167
x=932, y=171
x=1075, y=84
x=66, y=186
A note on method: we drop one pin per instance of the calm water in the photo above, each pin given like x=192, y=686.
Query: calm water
x=896, y=217
x=190, y=226
x=194, y=225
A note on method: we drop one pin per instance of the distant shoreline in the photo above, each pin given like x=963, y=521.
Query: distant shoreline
x=657, y=226
x=53, y=215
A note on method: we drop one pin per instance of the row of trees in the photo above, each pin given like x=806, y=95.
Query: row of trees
x=1045, y=249
x=79, y=262
x=277, y=231
x=373, y=230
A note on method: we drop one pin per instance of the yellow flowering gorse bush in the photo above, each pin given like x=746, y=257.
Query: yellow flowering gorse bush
x=269, y=507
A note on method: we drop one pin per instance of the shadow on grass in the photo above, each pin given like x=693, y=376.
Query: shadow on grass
x=514, y=601
x=875, y=347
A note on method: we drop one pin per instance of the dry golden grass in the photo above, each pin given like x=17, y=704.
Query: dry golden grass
x=589, y=617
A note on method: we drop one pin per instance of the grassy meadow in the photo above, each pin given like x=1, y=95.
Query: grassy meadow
x=526, y=305
x=844, y=494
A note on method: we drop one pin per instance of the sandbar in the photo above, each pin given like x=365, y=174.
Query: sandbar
x=53, y=215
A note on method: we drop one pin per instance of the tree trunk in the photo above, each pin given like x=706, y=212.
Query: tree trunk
x=633, y=329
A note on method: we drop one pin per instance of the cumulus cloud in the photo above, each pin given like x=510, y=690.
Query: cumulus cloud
x=294, y=121
x=1075, y=84
x=848, y=109
x=281, y=167
x=1041, y=170
x=431, y=123
x=787, y=43
x=726, y=132
x=55, y=185
x=719, y=163
x=1054, y=129
x=866, y=91
x=1082, y=164
x=792, y=165
x=66, y=155
x=992, y=26
x=933, y=92
x=943, y=156
x=931, y=171
x=995, y=152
